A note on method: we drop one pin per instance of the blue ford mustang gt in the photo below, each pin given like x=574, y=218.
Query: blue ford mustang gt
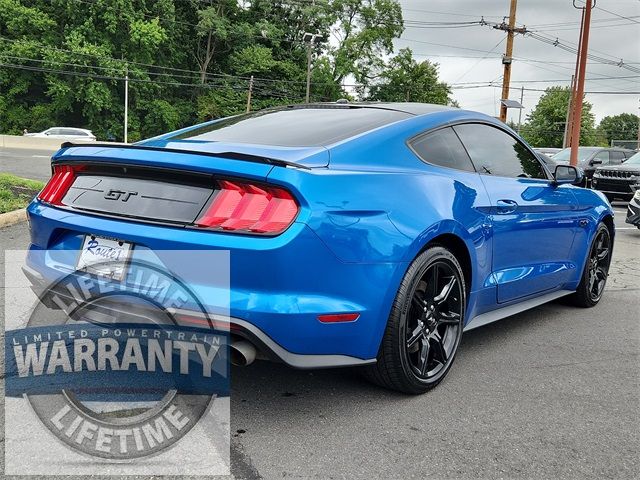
x=359, y=234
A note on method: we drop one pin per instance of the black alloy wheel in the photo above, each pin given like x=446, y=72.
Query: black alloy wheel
x=598, y=264
x=596, y=271
x=433, y=321
x=425, y=325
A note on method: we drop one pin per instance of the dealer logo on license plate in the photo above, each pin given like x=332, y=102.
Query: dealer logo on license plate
x=104, y=257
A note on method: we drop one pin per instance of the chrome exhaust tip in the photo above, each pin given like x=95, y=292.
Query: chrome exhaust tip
x=242, y=353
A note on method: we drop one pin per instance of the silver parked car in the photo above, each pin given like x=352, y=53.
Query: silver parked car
x=65, y=133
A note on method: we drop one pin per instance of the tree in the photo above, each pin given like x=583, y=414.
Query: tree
x=363, y=32
x=74, y=75
x=406, y=80
x=545, y=125
x=64, y=61
x=619, y=127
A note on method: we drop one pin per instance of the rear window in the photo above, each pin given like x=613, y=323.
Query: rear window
x=295, y=127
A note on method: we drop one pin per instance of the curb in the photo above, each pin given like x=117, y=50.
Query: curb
x=11, y=218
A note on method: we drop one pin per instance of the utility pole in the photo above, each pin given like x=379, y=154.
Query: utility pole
x=567, y=123
x=577, y=100
x=126, y=104
x=249, y=94
x=520, y=114
x=310, y=39
x=507, y=59
x=572, y=98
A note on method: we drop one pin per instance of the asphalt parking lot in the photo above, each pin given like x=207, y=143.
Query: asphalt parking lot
x=550, y=393
x=26, y=163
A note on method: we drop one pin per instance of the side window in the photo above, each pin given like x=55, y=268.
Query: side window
x=617, y=157
x=495, y=152
x=443, y=148
x=603, y=156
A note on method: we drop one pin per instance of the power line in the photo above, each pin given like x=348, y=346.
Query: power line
x=632, y=19
x=526, y=89
x=172, y=70
x=481, y=59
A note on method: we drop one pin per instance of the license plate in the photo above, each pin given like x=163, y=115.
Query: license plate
x=104, y=257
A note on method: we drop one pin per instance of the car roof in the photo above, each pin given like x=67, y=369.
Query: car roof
x=304, y=125
x=71, y=128
x=593, y=149
x=406, y=107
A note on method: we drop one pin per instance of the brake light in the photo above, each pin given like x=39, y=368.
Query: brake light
x=249, y=208
x=59, y=184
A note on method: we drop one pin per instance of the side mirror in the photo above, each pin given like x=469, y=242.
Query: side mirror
x=595, y=161
x=567, y=174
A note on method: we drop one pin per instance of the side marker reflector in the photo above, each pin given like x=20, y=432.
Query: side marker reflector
x=339, y=317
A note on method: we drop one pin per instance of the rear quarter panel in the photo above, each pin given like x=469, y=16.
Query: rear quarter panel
x=379, y=203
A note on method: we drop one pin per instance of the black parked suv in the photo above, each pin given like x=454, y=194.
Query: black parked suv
x=619, y=181
x=633, y=210
x=590, y=158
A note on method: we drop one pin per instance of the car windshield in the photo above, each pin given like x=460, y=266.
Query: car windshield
x=583, y=154
x=634, y=160
x=295, y=127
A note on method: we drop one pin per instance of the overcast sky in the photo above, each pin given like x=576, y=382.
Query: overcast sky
x=611, y=37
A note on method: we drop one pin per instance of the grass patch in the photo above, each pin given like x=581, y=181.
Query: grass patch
x=16, y=192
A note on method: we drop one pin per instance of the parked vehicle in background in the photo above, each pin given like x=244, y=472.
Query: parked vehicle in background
x=633, y=210
x=548, y=161
x=619, y=181
x=548, y=151
x=65, y=133
x=590, y=158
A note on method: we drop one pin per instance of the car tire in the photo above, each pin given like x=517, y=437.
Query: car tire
x=425, y=325
x=596, y=270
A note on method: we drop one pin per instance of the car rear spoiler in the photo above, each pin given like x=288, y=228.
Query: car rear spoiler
x=245, y=157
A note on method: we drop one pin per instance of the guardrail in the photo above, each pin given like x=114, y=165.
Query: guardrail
x=35, y=143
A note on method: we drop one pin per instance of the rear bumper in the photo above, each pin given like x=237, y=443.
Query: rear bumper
x=279, y=285
x=237, y=327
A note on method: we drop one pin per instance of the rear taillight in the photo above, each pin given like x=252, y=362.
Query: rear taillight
x=249, y=208
x=62, y=179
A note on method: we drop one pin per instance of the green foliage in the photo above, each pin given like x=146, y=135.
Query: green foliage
x=619, y=127
x=187, y=60
x=546, y=123
x=222, y=101
x=365, y=33
x=16, y=192
x=406, y=80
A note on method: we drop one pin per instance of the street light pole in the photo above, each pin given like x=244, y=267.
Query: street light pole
x=567, y=123
x=126, y=104
x=520, y=114
x=310, y=39
x=309, y=52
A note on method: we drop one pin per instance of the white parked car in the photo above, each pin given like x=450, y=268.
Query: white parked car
x=65, y=133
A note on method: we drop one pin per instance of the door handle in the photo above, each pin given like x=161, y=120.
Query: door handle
x=505, y=207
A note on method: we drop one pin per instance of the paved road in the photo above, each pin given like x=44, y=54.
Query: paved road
x=550, y=393
x=26, y=163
